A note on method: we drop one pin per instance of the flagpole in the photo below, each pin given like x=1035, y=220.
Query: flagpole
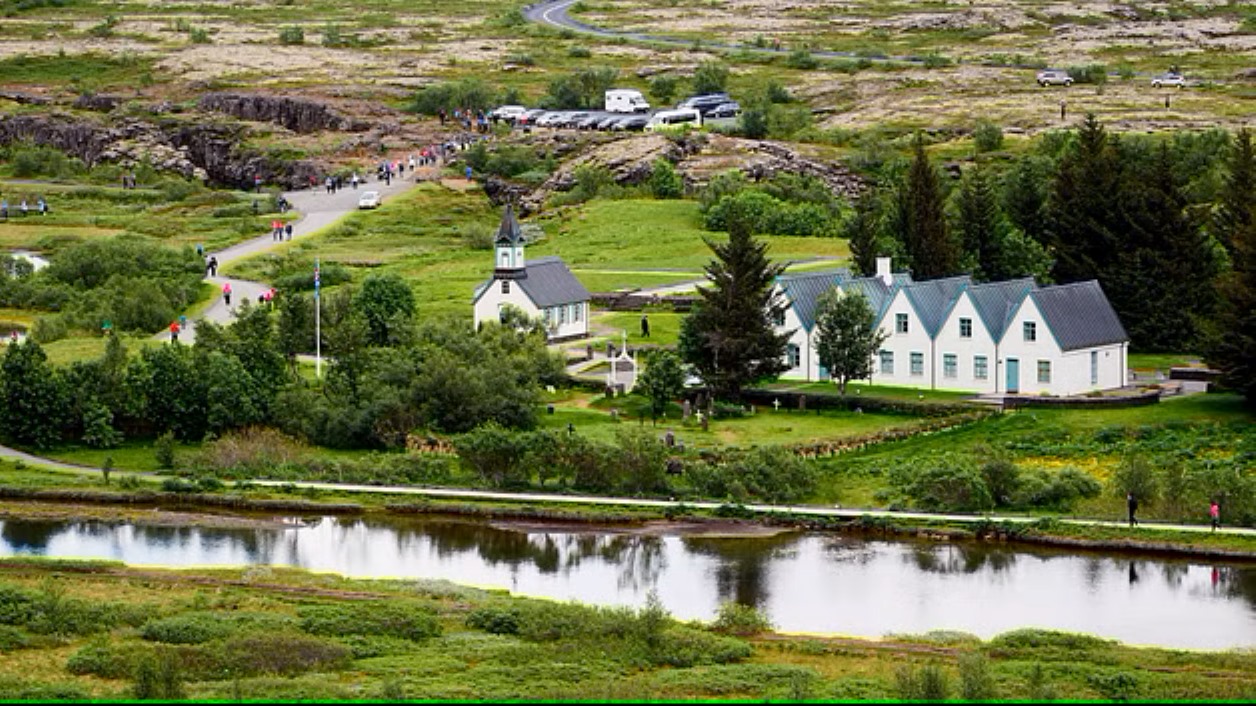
x=318, y=331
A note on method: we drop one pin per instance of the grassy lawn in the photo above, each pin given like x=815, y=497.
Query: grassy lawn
x=1162, y=361
x=858, y=388
x=664, y=328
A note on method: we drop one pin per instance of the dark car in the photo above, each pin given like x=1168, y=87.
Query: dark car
x=633, y=123
x=730, y=109
x=608, y=122
x=588, y=122
x=705, y=103
x=571, y=119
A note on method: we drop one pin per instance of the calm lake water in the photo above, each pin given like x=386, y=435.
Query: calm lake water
x=806, y=582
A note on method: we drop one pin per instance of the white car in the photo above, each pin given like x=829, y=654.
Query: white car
x=1169, y=79
x=370, y=199
x=509, y=112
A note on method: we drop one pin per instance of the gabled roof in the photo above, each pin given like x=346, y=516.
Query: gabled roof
x=996, y=302
x=933, y=299
x=875, y=291
x=550, y=283
x=802, y=292
x=1079, y=315
x=508, y=233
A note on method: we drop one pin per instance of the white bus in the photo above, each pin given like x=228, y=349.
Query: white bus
x=674, y=119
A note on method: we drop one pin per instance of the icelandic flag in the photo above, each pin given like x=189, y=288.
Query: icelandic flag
x=316, y=279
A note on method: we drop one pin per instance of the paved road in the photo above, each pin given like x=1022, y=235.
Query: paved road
x=318, y=210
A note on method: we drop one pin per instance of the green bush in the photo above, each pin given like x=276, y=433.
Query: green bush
x=163, y=449
x=12, y=639
x=404, y=620
x=579, y=53
x=491, y=619
x=199, y=627
x=158, y=677
x=801, y=59
x=282, y=654
x=665, y=182
x=737, y=619
x=975, y=681
x=686, y=647
x=106, y=660
x=179, y=485
x=17, y=604
x=987, y=137
x=925, y=683
x=292, y=34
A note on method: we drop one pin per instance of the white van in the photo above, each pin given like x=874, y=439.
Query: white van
x=625, y=100
x=674, y=119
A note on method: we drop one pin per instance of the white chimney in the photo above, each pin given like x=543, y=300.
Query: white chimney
x=883, y=271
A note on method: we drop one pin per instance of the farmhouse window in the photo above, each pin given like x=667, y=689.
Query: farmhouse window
x=965, y=328
x=505, y=286
x=981, y=369
x=793, y=356
x=950, y=365
x=917, y=363
x=1031, y=331
x=900, y=323
x=887, y=362
x=1044, y=371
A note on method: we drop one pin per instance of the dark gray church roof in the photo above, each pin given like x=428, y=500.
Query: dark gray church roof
x=1079, y=315
x=550, y=283
x=508, y=233
x=934, y=298
x=997, y=302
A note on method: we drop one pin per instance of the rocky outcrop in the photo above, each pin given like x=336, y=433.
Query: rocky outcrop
x=99, y=102
x=202, y=151
x=779, y=158
x=296, y=114
x=24, y=98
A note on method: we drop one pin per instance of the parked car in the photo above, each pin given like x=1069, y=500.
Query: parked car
x=1054, y=77
x=570, y=119
x=529, y=118
x=730, y=109
x=1168, y=79
x=704, y=103
x=634, y=123
x=509, y=112
x=588, y=122
x=608, y=122
x=551, y=118
x=370, y=199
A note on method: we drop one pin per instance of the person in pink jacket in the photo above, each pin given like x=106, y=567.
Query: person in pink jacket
x=226, y=293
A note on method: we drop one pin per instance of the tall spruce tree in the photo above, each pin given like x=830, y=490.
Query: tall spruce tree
x=863, y=232
x=1233, y=351
x=1025, y=196
x=729, y=337
x=979, y=224
x=1162, y=283
x=930, y=248
x=1237, y=210
x=1084, y=209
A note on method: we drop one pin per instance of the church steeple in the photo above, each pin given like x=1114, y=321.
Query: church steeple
x=508, y=247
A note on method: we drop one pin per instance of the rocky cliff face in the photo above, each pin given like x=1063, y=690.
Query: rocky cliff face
x=206, y=152
x=296, y=114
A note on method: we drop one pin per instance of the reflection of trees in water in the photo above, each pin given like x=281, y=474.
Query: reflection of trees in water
x=640, y=558
x=1174, y=573
x=849, y=550
x=1092, y=570
x=258, y=544
x=960, y=558
x=742, y=572
x=33, y=537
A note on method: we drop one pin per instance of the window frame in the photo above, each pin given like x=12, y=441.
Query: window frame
x=965, y=327
x=917, y=363
x=981, y=367
x=950, y=365
x=1030, y=331
x=887, y=362
x=901, y=323
x=1044, y=366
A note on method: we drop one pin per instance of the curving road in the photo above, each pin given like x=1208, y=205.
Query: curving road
x=318, y=210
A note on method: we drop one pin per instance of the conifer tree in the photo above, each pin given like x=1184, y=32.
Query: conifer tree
x=863, y=233
x=1234, y=347
x=1237, y=210
x=931, y=250
x=978, y=224
x=729, y=337
x=1084, y=209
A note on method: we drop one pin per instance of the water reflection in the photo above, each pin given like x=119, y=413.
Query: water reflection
x=804, y=582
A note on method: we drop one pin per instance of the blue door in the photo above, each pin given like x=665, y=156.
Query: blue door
x=1013, y=375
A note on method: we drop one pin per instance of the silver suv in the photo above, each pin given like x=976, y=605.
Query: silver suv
x=1169, y=79
x=1054, y=77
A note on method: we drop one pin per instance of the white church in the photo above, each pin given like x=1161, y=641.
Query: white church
x=1010, y=337
x=542, y=288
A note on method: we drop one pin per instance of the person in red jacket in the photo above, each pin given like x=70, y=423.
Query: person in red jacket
x=174, y=331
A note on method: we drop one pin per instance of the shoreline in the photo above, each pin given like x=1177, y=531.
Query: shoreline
x=206, y=510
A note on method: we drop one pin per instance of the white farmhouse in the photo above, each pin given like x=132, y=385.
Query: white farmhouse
x=542, y=288
x=997, y=337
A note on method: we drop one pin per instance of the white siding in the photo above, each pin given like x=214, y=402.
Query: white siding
x=806, y=363
x=488, y=306
x=949, y=340
x=916, y=340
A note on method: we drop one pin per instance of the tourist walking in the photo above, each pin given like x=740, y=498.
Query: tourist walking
x=1214, y=512
x=287, y=229
x=226, y=298
x=645, y=326
x=174, y=332
x=1131, y=503
x=213, y=266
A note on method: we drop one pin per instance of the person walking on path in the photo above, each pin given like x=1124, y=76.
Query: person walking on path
x=1132, y=503
x=213, y=266
x=1214, y=512
x=645, y=326
x=1063, y=109
x=174, y=332
x=43, y=206
x=226, y=298
x=287, y=229
x=4, y=209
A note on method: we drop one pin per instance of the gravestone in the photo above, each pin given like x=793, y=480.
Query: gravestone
x=687, y=408
x=802, y=402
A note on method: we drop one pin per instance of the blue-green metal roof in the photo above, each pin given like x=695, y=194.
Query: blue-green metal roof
x=997, y=302
x=934, y=298
x=802, y=292
x=1079, y=315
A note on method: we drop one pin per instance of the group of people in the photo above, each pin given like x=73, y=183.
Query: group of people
x=24, y=208
x=474, y=120
x=280, y=230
